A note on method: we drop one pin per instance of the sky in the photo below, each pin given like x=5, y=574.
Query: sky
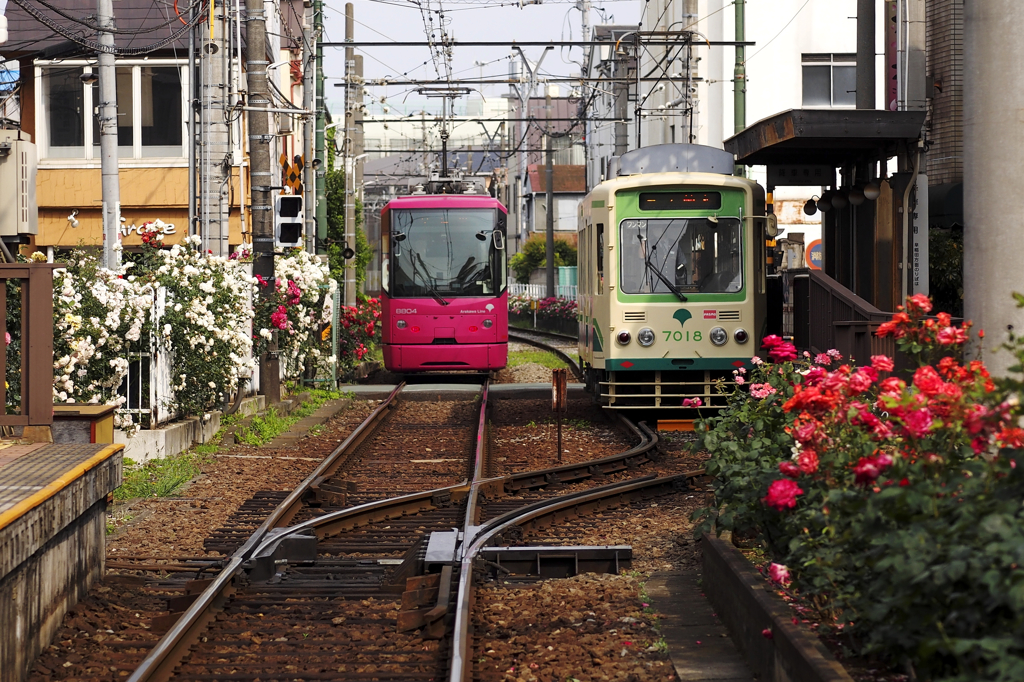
x=402, y=20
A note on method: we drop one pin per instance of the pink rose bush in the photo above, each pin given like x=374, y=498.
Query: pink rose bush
x=892, y=495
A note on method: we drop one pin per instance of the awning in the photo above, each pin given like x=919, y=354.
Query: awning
x=824, y=136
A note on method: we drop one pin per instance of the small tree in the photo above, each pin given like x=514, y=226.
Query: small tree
x=534, y=255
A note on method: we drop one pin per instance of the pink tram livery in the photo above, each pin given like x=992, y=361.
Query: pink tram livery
x=444, y=294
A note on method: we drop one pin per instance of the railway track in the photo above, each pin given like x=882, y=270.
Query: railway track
x=368, y=570
x=554, y=343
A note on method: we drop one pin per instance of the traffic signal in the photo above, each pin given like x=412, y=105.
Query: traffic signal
x=288, y=221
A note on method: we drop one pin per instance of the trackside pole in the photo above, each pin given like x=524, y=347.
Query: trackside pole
x=559, y=401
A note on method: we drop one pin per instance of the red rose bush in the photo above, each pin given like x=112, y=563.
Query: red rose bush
x=892, y=498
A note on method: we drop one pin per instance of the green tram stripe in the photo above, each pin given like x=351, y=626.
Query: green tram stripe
x=662, y=364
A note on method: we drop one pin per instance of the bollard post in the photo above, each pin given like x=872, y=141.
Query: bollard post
x=559, y=402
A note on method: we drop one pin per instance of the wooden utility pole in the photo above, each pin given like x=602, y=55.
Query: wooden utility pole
x=261, y=208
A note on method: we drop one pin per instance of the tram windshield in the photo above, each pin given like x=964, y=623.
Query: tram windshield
x=446, y=253
x=696, y=255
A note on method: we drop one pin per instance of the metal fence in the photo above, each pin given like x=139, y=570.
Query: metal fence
x=540, y=290
x=148, y=386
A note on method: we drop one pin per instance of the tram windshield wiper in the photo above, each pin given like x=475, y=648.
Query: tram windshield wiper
x=649, y=268
x=426, y=281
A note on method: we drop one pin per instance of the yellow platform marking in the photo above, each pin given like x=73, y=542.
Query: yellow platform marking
x=64, y=480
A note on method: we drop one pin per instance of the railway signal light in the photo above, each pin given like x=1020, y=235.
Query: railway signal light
x=288, y=221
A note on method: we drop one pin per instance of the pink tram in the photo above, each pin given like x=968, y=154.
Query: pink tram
x=444, y=295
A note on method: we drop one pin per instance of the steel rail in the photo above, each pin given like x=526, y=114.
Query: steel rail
x=571, y=505
x=158, y=666
x=567, y=473
x=573, y=365
x=545, y=332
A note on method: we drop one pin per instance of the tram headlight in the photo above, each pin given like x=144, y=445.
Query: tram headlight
x=401, y=324
x=488, y=324
x=718, y=336
x=740, y=335
x=645, y=337
x=623, y=337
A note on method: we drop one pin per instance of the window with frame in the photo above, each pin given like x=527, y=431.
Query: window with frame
x=150, y=121
x=829, y=80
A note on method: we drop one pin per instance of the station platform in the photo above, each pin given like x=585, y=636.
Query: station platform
x=53, y=500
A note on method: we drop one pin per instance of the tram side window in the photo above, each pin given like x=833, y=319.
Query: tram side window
x=600, y=258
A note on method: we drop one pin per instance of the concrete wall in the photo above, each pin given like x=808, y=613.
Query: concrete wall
x=49, y=558
x=179, y=436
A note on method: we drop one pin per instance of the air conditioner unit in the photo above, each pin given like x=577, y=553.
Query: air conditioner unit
x=19, y=213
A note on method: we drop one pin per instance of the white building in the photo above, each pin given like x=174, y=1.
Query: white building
x=803, y=57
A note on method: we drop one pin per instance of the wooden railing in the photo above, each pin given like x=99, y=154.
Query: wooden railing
x=36, y=407
x=828, y=315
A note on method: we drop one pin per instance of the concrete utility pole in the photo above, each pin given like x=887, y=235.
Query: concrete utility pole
x=193, y=128
x=321, y=121
x=549, y=185
x=261, y=207
x=110, y=182
x=358, y=158
x=348, y=125
x=308, y=123
x=993, y=137
x=215, y=138
x=865, y=54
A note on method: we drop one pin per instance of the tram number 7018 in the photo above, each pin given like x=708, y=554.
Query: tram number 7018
x=681, y=336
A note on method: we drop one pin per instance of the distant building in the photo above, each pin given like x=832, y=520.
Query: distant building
x=569, y=187
x=58, y=96
x=803, y=57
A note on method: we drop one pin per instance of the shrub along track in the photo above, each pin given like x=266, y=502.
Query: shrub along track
x=336, y=618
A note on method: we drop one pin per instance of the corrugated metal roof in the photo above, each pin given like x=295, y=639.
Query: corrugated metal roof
x=26, y=35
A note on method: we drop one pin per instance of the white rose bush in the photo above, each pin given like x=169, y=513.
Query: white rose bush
x=205, y=313
x=205, y=322
x=97, y=315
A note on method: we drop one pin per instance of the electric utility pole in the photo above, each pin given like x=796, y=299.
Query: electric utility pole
x=320, y=151
x=739, y=78
x=347, y=125
x=865, y=54
x=110, y=183
x=549, y=185
x=261, y=207
x=308, y=154
x=739, y=82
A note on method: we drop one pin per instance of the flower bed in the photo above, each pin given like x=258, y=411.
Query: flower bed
x=553, y=314
x=891, y=503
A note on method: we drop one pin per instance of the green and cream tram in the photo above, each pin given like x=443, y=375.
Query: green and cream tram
x=671, y=277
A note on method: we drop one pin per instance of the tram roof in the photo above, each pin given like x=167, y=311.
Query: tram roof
x=824, y=136
x=444, y=201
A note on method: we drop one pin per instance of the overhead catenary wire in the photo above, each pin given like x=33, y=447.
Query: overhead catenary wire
x=80, y=39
